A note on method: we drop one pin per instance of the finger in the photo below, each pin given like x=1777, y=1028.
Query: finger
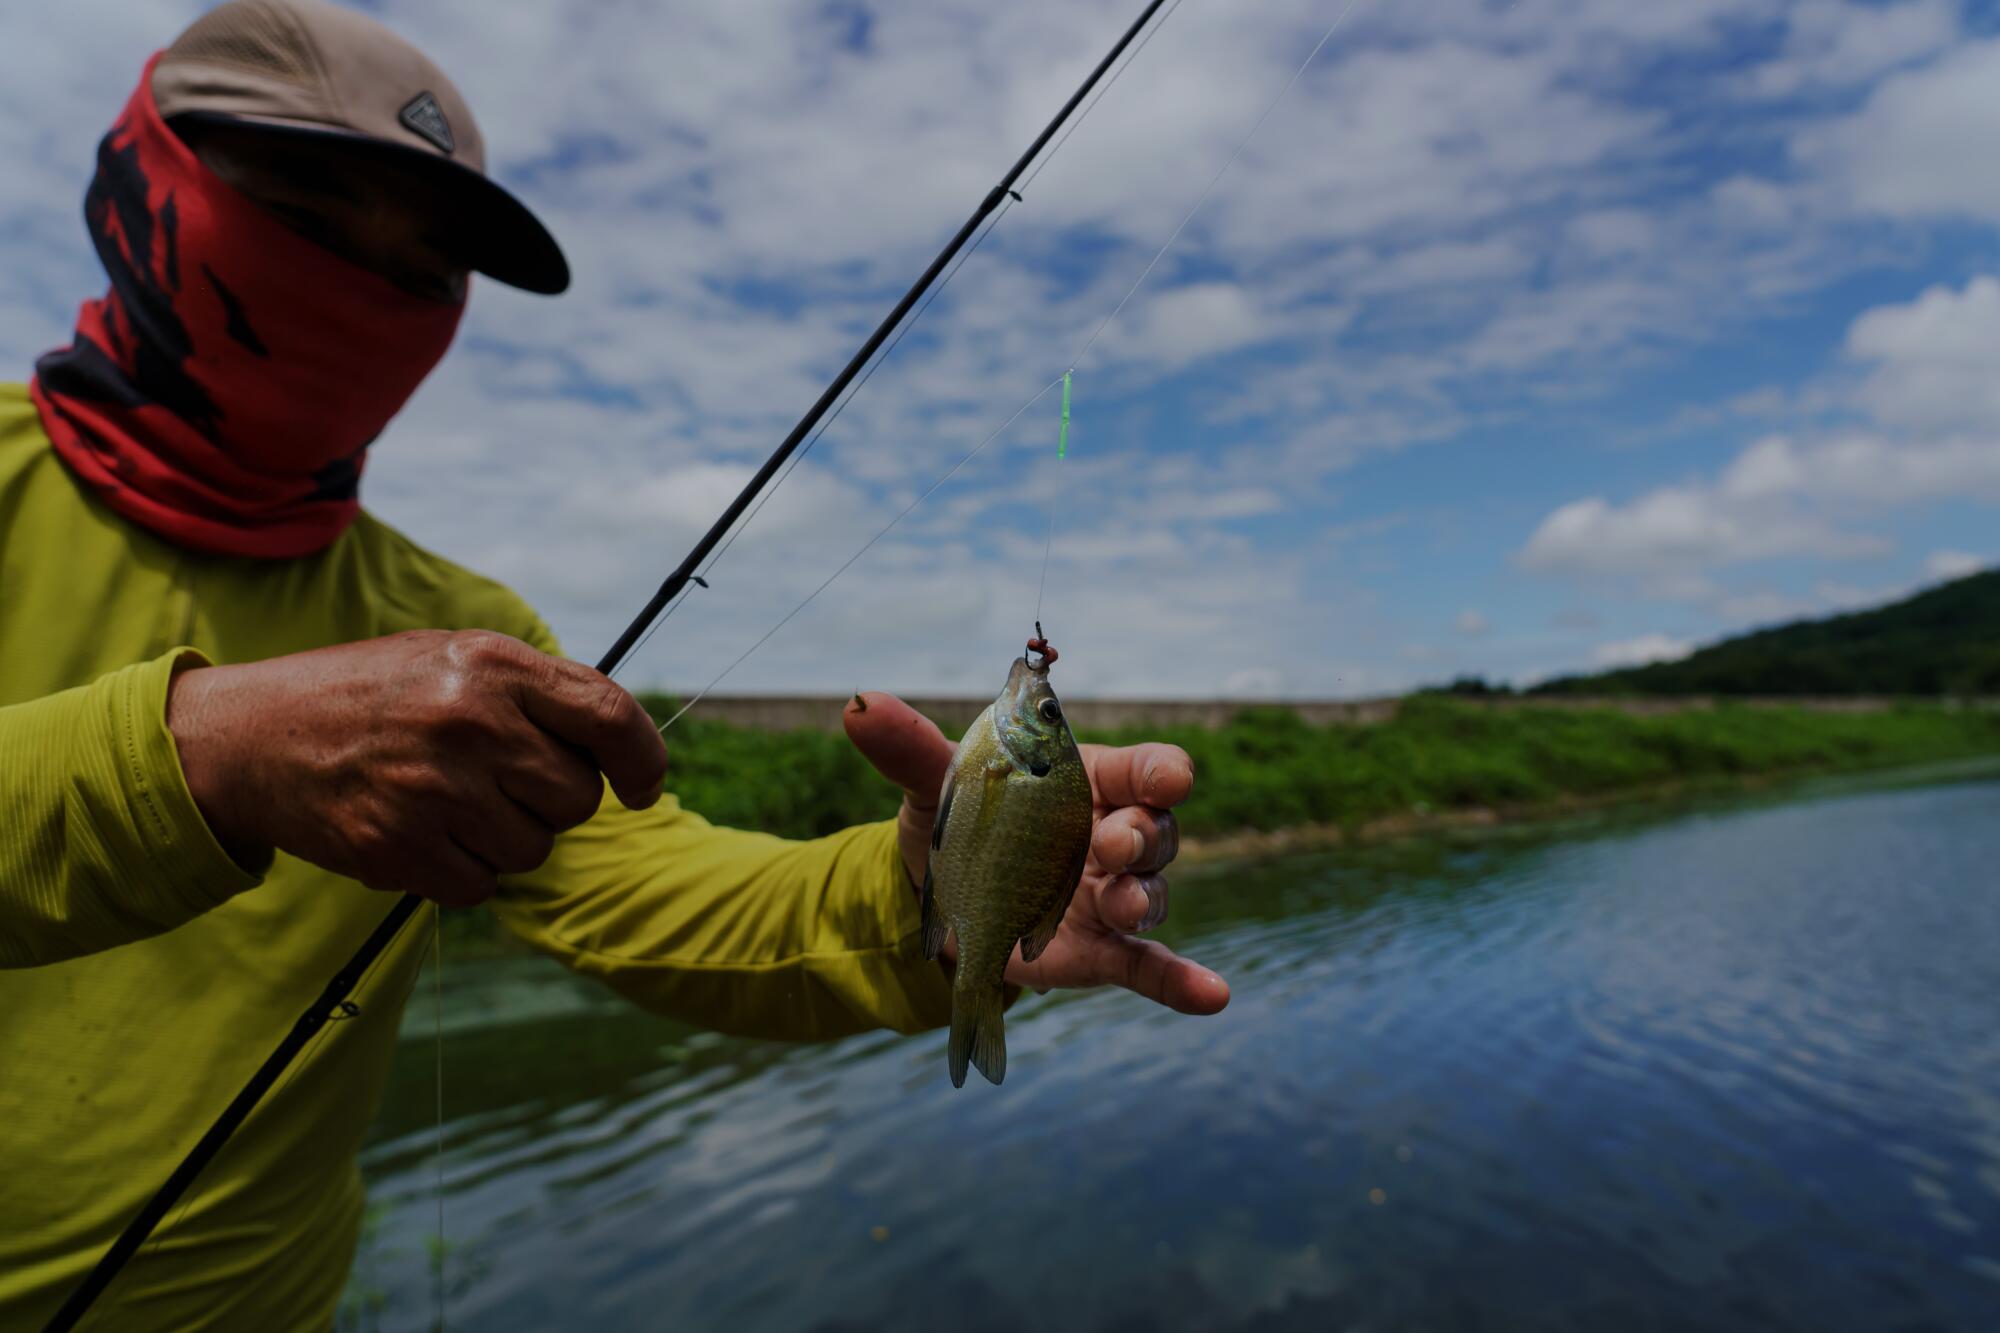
x=443, y=872
x=904, y=746
x=1155, y=774
x=504, y=835
x=554, y=781
x=1134, y=903
x=1135, y=838
x=588, y=709
x=469, y=876
x=1151, y=969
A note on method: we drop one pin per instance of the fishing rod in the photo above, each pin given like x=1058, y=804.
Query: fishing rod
x=334, y=999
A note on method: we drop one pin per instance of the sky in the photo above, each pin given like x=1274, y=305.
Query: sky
x=1523, y=338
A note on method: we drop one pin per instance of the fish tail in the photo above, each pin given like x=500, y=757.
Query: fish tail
x=977, y=1033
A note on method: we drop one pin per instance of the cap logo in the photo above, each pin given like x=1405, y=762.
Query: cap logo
x=423, y=115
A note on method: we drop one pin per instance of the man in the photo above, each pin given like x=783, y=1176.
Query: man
x=233, y=703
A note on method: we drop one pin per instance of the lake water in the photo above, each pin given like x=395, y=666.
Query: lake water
x=1732, y=1067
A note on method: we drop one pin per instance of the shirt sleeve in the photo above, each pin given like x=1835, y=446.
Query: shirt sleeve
x=742, y=932
x=100, y=840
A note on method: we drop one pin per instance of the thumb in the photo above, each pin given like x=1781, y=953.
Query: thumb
x=905, y=746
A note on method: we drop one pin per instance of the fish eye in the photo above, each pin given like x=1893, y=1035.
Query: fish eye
x=1050, y=710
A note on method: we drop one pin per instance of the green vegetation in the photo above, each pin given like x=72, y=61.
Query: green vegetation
x=1474, y=744
x=1269, y=770
x=800, y=784
x=1945, y=640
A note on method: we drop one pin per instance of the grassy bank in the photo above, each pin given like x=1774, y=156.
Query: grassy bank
x=1267, y=770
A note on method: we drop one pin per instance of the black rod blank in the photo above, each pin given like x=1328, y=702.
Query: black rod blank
x=334, y=998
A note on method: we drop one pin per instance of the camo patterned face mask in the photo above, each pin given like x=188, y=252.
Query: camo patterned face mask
x=224, y=392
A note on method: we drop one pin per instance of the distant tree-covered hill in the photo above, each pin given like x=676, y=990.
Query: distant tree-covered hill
x=1944, y=640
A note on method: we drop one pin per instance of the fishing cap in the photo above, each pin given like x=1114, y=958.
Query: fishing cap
x=308, y=67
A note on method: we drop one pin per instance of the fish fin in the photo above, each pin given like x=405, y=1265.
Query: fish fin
x=934, y=922
x=977, y=1033
x=1033, y=943
x=944, y=808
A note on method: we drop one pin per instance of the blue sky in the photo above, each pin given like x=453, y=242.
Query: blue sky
x=1523, y=338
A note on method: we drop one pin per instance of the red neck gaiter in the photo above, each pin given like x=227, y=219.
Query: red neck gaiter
x=224, y=392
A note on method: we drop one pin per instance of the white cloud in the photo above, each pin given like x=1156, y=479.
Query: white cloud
x=1834, y=43
x=1640, y=651
x=1459, y=217
x=1615, y=231
x=1778, y=497
x=1867, y=468
x=1931, y=401
x=1761, y=606
x=1914, y=147
x=1471, y=625
x=1934, y=359
x=1202, y=319
x=1754, y=204
x=1388, y=269
x=1943, y=566
x=1678, y=528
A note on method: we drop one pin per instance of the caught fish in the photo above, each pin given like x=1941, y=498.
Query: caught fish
x=1007, y=849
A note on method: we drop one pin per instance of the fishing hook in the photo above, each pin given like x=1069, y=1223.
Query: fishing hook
x=1040, y=645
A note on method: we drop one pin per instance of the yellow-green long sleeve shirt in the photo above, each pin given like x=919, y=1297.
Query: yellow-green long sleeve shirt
x=144, y=975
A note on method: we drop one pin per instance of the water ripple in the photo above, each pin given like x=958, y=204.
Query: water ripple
x=1734, y=1070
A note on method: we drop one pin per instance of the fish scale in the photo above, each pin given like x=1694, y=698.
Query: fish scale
x=1007, y=850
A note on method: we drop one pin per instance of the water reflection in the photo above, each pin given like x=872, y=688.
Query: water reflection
x=1734, y=1069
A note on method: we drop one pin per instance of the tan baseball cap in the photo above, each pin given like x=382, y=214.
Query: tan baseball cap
x=308, y=67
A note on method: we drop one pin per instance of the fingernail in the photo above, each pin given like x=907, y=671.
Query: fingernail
x=1138, y=848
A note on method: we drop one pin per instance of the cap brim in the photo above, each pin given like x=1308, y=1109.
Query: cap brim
x=493, y=232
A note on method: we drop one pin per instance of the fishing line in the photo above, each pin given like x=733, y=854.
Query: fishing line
x=1055, y=497
x=818, y=435
x=1062, y=379
x=834, y=416
x=333, y=1002
x=935, y=487
x=437, y=1031
x=1075, y=124
x=1229, y=162
x=1093, y=105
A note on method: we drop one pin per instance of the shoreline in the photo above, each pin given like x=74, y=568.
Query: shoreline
x=1264, y=844
x=1272, y=780
x=477, y=934
x=1259, y=844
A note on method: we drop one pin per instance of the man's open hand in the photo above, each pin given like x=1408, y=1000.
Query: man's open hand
x=428, y=761
x=1123, y=892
